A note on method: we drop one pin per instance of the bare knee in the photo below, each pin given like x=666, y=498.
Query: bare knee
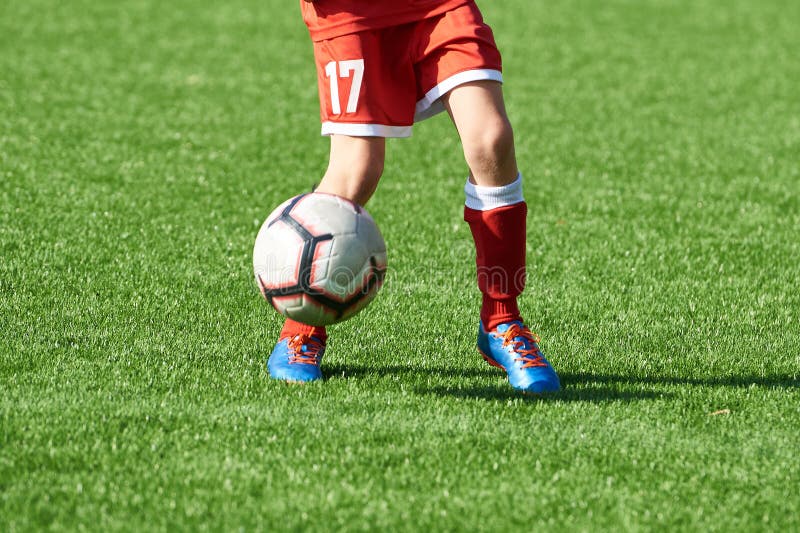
x=356, y=181
x=489, y=152
x=355, y=167
x=479, y=114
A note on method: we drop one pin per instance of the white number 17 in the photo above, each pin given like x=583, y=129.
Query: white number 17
x=356, y=66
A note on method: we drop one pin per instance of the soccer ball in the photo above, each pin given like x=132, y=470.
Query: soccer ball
x=319, y=259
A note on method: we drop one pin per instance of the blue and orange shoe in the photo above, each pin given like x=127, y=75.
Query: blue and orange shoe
x=513, y=348
x=297, y=359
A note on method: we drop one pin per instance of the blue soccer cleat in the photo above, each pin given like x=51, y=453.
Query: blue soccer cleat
x=512, y=347
x=297, y=359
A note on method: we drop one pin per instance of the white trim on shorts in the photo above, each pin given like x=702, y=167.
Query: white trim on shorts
x=431, y=104
x=364, y=130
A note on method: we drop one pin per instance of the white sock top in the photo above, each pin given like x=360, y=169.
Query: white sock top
x=483, y=198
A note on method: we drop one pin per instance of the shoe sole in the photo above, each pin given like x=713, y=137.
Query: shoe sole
x=292, y=381
x=296, y=381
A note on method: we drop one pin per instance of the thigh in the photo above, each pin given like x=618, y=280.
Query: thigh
x=366, y=83
x=476, y=108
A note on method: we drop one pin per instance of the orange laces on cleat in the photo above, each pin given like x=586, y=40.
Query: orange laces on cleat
x=530, y=357
x=304, y=350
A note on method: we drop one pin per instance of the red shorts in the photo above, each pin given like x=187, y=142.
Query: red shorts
x=377, y=83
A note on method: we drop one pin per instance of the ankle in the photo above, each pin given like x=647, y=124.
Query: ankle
x=292, y=328
x=496, y=311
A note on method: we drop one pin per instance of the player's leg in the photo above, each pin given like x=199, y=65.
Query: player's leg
x=495, y=208
x=496, y=213
x=363, y=99
x=460, y=71
x=479, y=114
x=354, y=167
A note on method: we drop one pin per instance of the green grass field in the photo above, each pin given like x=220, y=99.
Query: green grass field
x=143, y=143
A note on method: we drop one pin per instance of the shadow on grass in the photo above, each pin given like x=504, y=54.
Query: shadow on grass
x=776, y=382
x=580, y=386
x=414, y=373
x=418, y=378
x=505, y=393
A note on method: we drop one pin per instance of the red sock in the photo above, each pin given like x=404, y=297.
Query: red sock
x=499, y=236
x=292, y=328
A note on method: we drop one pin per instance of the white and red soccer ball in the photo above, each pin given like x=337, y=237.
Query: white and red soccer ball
x=319, y=259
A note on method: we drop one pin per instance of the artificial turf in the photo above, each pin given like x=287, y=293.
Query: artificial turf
x=142, y=144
